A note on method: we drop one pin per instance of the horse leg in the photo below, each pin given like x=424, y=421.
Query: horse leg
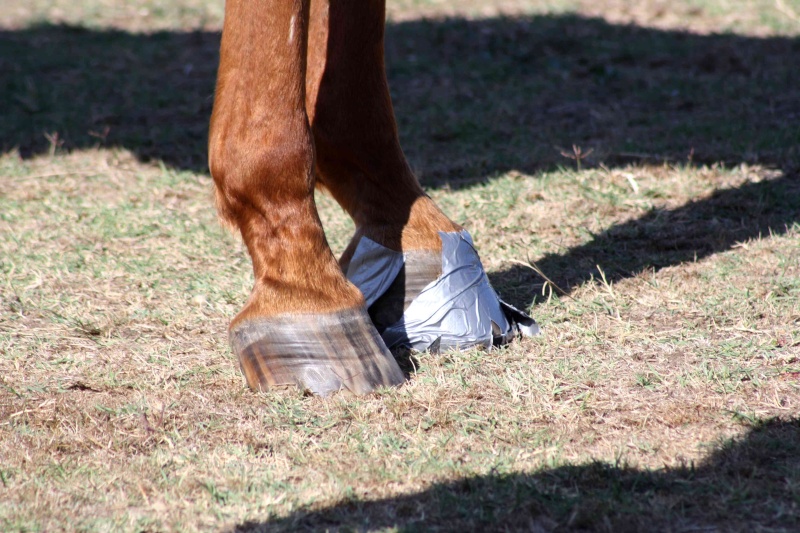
x=304, y=323
x=359, y=160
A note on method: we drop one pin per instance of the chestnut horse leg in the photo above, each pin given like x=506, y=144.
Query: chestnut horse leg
x=359, y=160
x=304, y=323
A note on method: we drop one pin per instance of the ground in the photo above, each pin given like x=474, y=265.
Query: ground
x=631, y=176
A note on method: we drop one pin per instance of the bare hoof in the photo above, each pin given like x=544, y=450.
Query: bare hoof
x=320, y=353
x=433, y=301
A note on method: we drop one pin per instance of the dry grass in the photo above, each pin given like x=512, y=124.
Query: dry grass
x=663, y=394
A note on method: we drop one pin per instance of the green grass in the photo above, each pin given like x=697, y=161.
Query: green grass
x=662, y=396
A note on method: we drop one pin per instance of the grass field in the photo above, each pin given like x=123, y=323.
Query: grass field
x=645, y=159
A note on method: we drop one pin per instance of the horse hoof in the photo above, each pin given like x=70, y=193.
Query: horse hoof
x=423, y=300
x=320, y=353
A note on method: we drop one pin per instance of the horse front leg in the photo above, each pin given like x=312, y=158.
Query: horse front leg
x=424, y=283
x=304, y=324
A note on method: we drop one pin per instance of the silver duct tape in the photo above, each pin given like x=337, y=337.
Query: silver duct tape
x=523, y=323
x=458, y=310
x=373, y=268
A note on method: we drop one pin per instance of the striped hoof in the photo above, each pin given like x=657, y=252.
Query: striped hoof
x=320, y=353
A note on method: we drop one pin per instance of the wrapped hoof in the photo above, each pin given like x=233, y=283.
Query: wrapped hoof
x=430, y=301
x=320, y=353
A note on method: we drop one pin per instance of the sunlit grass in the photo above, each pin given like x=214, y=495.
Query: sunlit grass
x=665, y=274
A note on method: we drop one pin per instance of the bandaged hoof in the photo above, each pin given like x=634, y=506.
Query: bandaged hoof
x=423, y=301
x=320, y=353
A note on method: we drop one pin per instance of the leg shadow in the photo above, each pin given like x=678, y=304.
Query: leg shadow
x=662, y=238
x=745, y=485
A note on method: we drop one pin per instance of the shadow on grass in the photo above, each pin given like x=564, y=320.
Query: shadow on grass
x=663, y=237
x=752, y=484
x=474, y=98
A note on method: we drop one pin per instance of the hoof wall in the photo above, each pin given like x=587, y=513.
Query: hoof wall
x=320, y=353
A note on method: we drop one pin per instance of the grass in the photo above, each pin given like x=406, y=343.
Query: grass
x=663, y=394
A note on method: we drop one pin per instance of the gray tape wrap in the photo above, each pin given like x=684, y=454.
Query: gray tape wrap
x=373, y=268
x=458, y=310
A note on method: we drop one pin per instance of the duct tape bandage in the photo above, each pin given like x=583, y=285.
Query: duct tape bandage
x=458, y=309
